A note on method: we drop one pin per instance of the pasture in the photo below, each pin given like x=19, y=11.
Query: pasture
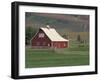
x=75, y=55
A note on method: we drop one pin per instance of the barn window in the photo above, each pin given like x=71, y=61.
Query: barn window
x=48, y=44
x=41, y=35
x=64, y=44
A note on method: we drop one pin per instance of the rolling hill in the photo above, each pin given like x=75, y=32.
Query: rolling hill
x=75, y=23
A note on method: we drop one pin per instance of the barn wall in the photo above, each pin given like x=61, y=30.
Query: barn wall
x=37, y=41
x=60, y=44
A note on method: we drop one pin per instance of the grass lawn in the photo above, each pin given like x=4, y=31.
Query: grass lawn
x=75, y=55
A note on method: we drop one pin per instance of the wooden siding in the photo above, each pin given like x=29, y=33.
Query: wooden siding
x=60, y=44
x=41, y=41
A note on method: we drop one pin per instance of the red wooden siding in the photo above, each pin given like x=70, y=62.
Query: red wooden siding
x=41, y=41
x=60, y=44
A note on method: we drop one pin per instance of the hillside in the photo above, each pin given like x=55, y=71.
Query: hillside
x=62, y=22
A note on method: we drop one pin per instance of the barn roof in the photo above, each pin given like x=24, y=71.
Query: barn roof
x=52, y=34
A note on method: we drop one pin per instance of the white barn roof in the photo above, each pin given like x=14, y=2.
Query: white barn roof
x=52, y=34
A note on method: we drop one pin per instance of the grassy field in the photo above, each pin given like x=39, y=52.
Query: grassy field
x=75, y=55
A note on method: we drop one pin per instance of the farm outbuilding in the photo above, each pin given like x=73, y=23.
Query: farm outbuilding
x=47, y=37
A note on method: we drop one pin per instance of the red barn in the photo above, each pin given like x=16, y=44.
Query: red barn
x=48, y=38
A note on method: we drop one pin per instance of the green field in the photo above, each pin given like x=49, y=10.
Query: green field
x=75, y=55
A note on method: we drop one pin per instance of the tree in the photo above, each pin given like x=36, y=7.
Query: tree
x=65, y=36
x=78, y=38
x=29, y=33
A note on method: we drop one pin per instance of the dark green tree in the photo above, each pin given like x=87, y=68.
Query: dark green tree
x=78, y=38
x=29, y=33
x=66, y=36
